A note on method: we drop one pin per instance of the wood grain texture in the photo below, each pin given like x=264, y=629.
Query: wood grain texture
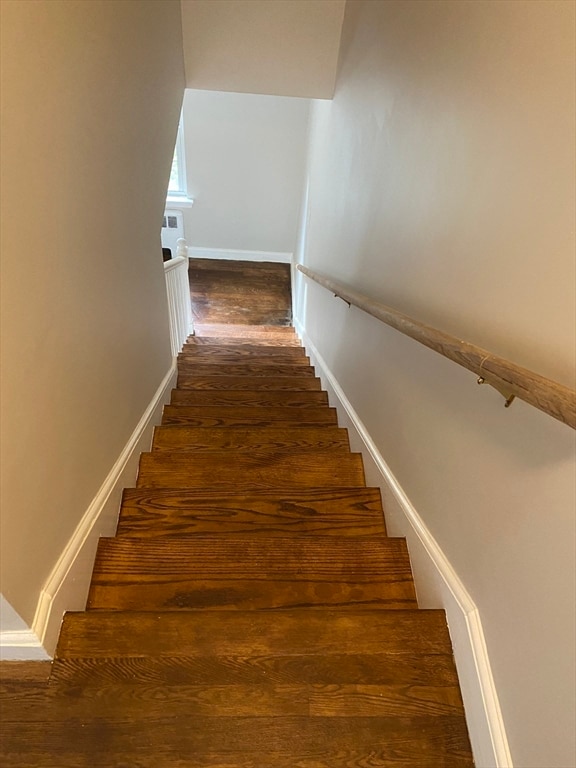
x=114, y=741
x=333, y=511
x=138, y=701
x=245, y=573
x=261, y=333
x=25, y=672
x=252, y=369
x=243, y=439
x=264, y=470
x=296, y=632
x=262, y=398
x=548, y=396
x=247, y=416
x=240, y=292
x=271, y=383
x=238, y=353
x=263, y=342
x=347, y=668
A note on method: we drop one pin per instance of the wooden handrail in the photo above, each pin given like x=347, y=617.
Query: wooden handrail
x=509, y=379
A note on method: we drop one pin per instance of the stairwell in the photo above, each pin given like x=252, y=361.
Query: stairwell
x=251, y=610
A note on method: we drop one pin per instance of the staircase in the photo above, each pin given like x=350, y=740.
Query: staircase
x=251, y=611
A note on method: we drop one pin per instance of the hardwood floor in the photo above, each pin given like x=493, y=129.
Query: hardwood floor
x=240, y=292
x=251, y=611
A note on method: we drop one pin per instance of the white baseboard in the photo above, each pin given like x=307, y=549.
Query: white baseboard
x=236, y=255
x=437, y=583
x=23, y=645
x=66, y=588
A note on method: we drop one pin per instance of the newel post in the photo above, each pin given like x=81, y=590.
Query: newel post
x=181, y=247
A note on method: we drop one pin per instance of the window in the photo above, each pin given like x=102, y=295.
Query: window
x=177, y=188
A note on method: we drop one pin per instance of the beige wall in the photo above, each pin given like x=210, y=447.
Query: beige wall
x=442, y=183
x=91, y=93
x=245, y=158
x=280, y=47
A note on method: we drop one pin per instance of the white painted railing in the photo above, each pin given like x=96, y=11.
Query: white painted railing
x=178, y=289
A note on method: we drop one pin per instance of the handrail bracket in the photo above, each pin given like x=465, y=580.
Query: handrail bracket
x=505, y=394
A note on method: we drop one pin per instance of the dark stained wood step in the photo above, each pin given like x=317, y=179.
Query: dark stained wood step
x=263, y=470
x=272, y=383
x=260, y=362
x=239, y=742
x=260, y=634
x=138, y=700
x=315, y=668
x=231, y=272
x=267, y=369
x=149, y=512
x=323, y=438
x=247, y=415
x=24, y=672
x=251, y=573
x=242, y=352
x=262, y=398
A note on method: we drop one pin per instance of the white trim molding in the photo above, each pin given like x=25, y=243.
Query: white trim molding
x=281, y=257
x=179, y=202
x=67, y=586
x=430, y=565
x=22, y=645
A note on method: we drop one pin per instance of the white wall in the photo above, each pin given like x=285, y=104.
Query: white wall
x=245, y=157
x=285, y=48
x=10, y=621
x=441, y=182
x=91, y=94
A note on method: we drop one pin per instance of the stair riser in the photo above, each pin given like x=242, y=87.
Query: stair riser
x=248, y=416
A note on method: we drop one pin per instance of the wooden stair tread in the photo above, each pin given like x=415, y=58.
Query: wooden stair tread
x=248, y=634
x=237, y=438
x=262, y=398
x=333, y=511
x=277, y=383
x=247, y=415
x=251, y=573
x=258, y=470
x=303, y=558
x=241, y=352
x=238, y=341
x=215, y=356
x=146, y=701
x=253, y=369
x=316, y=667
x=240, y=742
x=232, y=330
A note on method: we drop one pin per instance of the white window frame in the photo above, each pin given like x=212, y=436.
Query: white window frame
x=179, y=197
